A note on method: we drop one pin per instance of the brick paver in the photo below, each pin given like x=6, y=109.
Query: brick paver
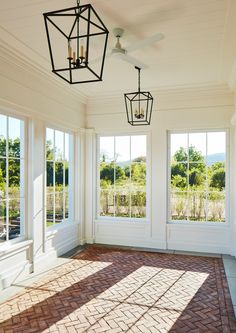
x=112, y=290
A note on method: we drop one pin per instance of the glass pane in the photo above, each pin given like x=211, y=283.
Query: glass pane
x=122, y=150
x=197, y=176
x=122, y=203
x=197, y=147
x=14, y=218
x=121, y=179
x=216, y=206
x=66, y=147
x=2, y=178
x=14, y=135
x=59, y=145
x=49, y=144
x=59, y=207
x=138, y=175
x=107, y=149
x=2, y=221
x=179, y=176
x=216, y=176
x=179, y=205
x=107, y=175
x=59, y=175
x=179, y=145
x=138, y=204
x=66, y=205
x=50, y=182
x=66, y=166
x=49, y=209
x=138, y=148
x=14, y=173
x=216, y=147
x=197, y=206
x=3, y=135
x=106, y=203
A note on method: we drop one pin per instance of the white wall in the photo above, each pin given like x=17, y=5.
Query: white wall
x=205, y=108
x=42, y=101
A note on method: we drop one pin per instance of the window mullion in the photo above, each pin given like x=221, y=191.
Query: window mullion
x=7, y=180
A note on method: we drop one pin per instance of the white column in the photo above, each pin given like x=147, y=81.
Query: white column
x=36, y=226
x=90, y=164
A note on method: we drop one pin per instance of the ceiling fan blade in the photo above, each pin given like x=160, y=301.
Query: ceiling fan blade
x=133, y=61
x=145, y=42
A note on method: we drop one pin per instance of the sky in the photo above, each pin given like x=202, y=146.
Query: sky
x=207, y=143
x=126, y=147
x=13, y=129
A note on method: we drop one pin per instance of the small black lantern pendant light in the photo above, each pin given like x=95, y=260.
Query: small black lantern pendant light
x=139, y=105
x=76, y=37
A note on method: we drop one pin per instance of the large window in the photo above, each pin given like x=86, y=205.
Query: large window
x=198, y=176
x=11, y=178
x=123, y=176
x=59, y=154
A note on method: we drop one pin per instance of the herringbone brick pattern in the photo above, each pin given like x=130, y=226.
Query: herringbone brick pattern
x=111, y=290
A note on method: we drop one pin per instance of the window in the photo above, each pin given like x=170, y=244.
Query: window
x=198, y=176
x=59, y=147
x=123, y=176
x=12, y=198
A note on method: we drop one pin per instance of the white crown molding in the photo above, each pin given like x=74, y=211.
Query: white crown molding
x=21, y=56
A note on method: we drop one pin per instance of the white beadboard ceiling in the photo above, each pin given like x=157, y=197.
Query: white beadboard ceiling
x=199, y=46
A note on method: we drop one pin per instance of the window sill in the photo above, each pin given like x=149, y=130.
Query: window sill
x=11, y=249
x=55, y=228
x=130, y=221
x=201, y=224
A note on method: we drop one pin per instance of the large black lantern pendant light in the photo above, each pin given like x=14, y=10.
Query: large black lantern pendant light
x=76, y=37
x=139, y=105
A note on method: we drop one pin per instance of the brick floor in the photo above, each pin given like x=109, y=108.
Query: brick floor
x=112, y=290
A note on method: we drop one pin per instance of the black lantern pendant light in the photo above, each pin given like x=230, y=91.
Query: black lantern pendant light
x=139, y=105
x=76, y=37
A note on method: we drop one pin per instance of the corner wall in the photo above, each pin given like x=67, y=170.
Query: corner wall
x=198, y=108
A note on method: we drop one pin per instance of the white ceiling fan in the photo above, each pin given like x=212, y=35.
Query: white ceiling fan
x=123, y=53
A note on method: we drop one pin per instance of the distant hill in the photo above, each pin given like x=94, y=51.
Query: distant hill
x=219, y=157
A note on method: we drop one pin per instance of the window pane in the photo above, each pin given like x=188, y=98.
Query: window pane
x=138, y=148
x=216, y=206
x=59, y=174
x=3, y=135
x=179, y=205
x=138, y=204
x=2, y=178
x=50, y=181
x=197, y=175
x=106, y=203
x=59, y=207
x=66, y=147
x=49, y=209
x=179, y=145
x=14, y=173
x=197, y=147
x=122, y=150
x=49, y=144
x=107, y=149
x=14, y=142
x=197, y=206
x=138, y=175
x=216, y=147
x=122, y=203
x=107, y=175
x=2, y=221
x=14, y=218
x=179, y=176
x=59, y=145
x=216, y=176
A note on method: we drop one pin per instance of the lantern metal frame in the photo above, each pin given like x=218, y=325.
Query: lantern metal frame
x=139, y=116
x=82, y=61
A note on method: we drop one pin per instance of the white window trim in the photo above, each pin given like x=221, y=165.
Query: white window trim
x=227, y=181
x=72, y=168
x=115, y=219
x=24, y=225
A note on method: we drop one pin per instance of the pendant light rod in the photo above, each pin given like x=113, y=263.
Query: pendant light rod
x=139, y=70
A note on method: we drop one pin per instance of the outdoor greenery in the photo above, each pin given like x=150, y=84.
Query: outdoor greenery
x=123, y=188
x=197, y=189
x=13, y=186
